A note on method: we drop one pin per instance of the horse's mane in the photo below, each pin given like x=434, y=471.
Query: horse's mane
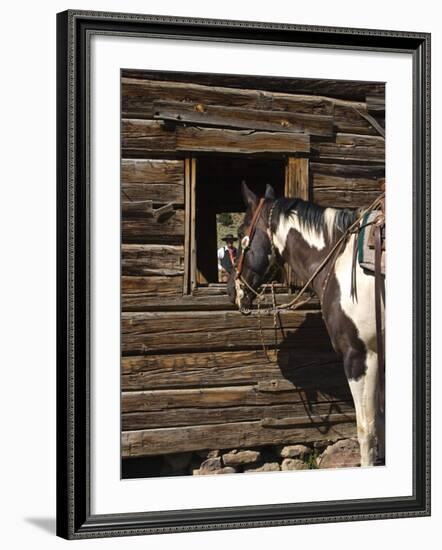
x=312, y=215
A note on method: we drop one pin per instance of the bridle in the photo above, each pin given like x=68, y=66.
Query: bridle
x=246, y=241
x=299, y=299
x=335, y=251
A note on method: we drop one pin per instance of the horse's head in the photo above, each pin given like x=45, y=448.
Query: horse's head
x=255, y=260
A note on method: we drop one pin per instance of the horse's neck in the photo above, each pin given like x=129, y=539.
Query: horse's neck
x=304, y=250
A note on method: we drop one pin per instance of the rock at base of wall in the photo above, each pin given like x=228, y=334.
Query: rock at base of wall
x=225, y=470
x=235, y=458
x=222, y=470
x=214, y=454
x=293, y=464
x=266, y=467
x=294, y=451
x=211, y=464
x=342, y=454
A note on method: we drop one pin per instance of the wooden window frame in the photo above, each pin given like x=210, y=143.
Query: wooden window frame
x=296, y=184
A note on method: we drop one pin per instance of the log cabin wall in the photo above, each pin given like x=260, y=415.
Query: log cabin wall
x=194, y=375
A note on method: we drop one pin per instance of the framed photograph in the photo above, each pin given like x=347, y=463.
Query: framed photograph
x=226, y=302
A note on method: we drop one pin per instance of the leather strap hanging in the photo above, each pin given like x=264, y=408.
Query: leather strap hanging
x=249, y=236
x=377, y=301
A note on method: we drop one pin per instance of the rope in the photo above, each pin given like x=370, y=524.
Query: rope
x=289, y=305
x=295, y=302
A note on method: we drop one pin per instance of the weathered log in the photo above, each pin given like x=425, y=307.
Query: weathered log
x=161, y=181
x=368, y=171
x=240, y=141
x=143, y=259
x=350, y=118
x=376, y=104
x=151, y=286
x=140, y=138
x=144, y=137
x=138, y=97
x=153, y=171
x=234, y=435
x=344, y=89
x=150, y=332
x=218, y=301
x=352, y=148
x=227, y=368
x=158, y=194
x=334, y=183
x=145, y=209
x=137, y=208
x=239, y=117
x=344, y=198
x=167, y=230
x=222, y=397
x=198, y=416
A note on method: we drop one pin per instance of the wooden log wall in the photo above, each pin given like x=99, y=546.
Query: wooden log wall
x=194, y=375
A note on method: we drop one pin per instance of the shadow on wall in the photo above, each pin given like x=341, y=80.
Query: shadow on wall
x=307, y=360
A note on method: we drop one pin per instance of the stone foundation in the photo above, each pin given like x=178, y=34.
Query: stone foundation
x=340, y=454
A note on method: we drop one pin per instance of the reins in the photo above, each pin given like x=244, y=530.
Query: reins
x=335, y=247
x=245, y=241
x=296, y=302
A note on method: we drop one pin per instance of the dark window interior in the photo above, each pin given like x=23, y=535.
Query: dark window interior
x=218, y=189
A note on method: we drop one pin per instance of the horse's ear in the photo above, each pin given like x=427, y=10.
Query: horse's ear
x=250, y=199
x=270, y=192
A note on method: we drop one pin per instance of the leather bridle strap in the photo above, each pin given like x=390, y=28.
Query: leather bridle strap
x=249, y=236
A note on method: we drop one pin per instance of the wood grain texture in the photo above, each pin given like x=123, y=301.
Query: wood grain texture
x=152, y=259
x=218, y=398
x=151, y=286
x=139, y=97
x=351, y=147
x=143, y=97
x=184, y=370
x=200, y=330
x=141, y=138
x=153, y=171
x=240, y=141
x=349, y=118
x=195, y=302
x=159, y=194
x=235, y=435
x=336, y=183
x=344, y=198
x=165, y=230
x=360, y=170
x=341, y=89
x=376, y=104
x=297, y=184
x=203, y=415
x=161, y=181
x=343, y=192
x=238, y=117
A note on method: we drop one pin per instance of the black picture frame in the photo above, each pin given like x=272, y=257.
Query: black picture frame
x=74, y=518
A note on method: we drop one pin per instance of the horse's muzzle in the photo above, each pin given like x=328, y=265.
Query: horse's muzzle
x=243, y=298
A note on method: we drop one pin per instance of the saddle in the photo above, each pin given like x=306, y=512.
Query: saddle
x=371, y=223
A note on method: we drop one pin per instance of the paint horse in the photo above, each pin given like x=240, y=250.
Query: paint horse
x=302, y=234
